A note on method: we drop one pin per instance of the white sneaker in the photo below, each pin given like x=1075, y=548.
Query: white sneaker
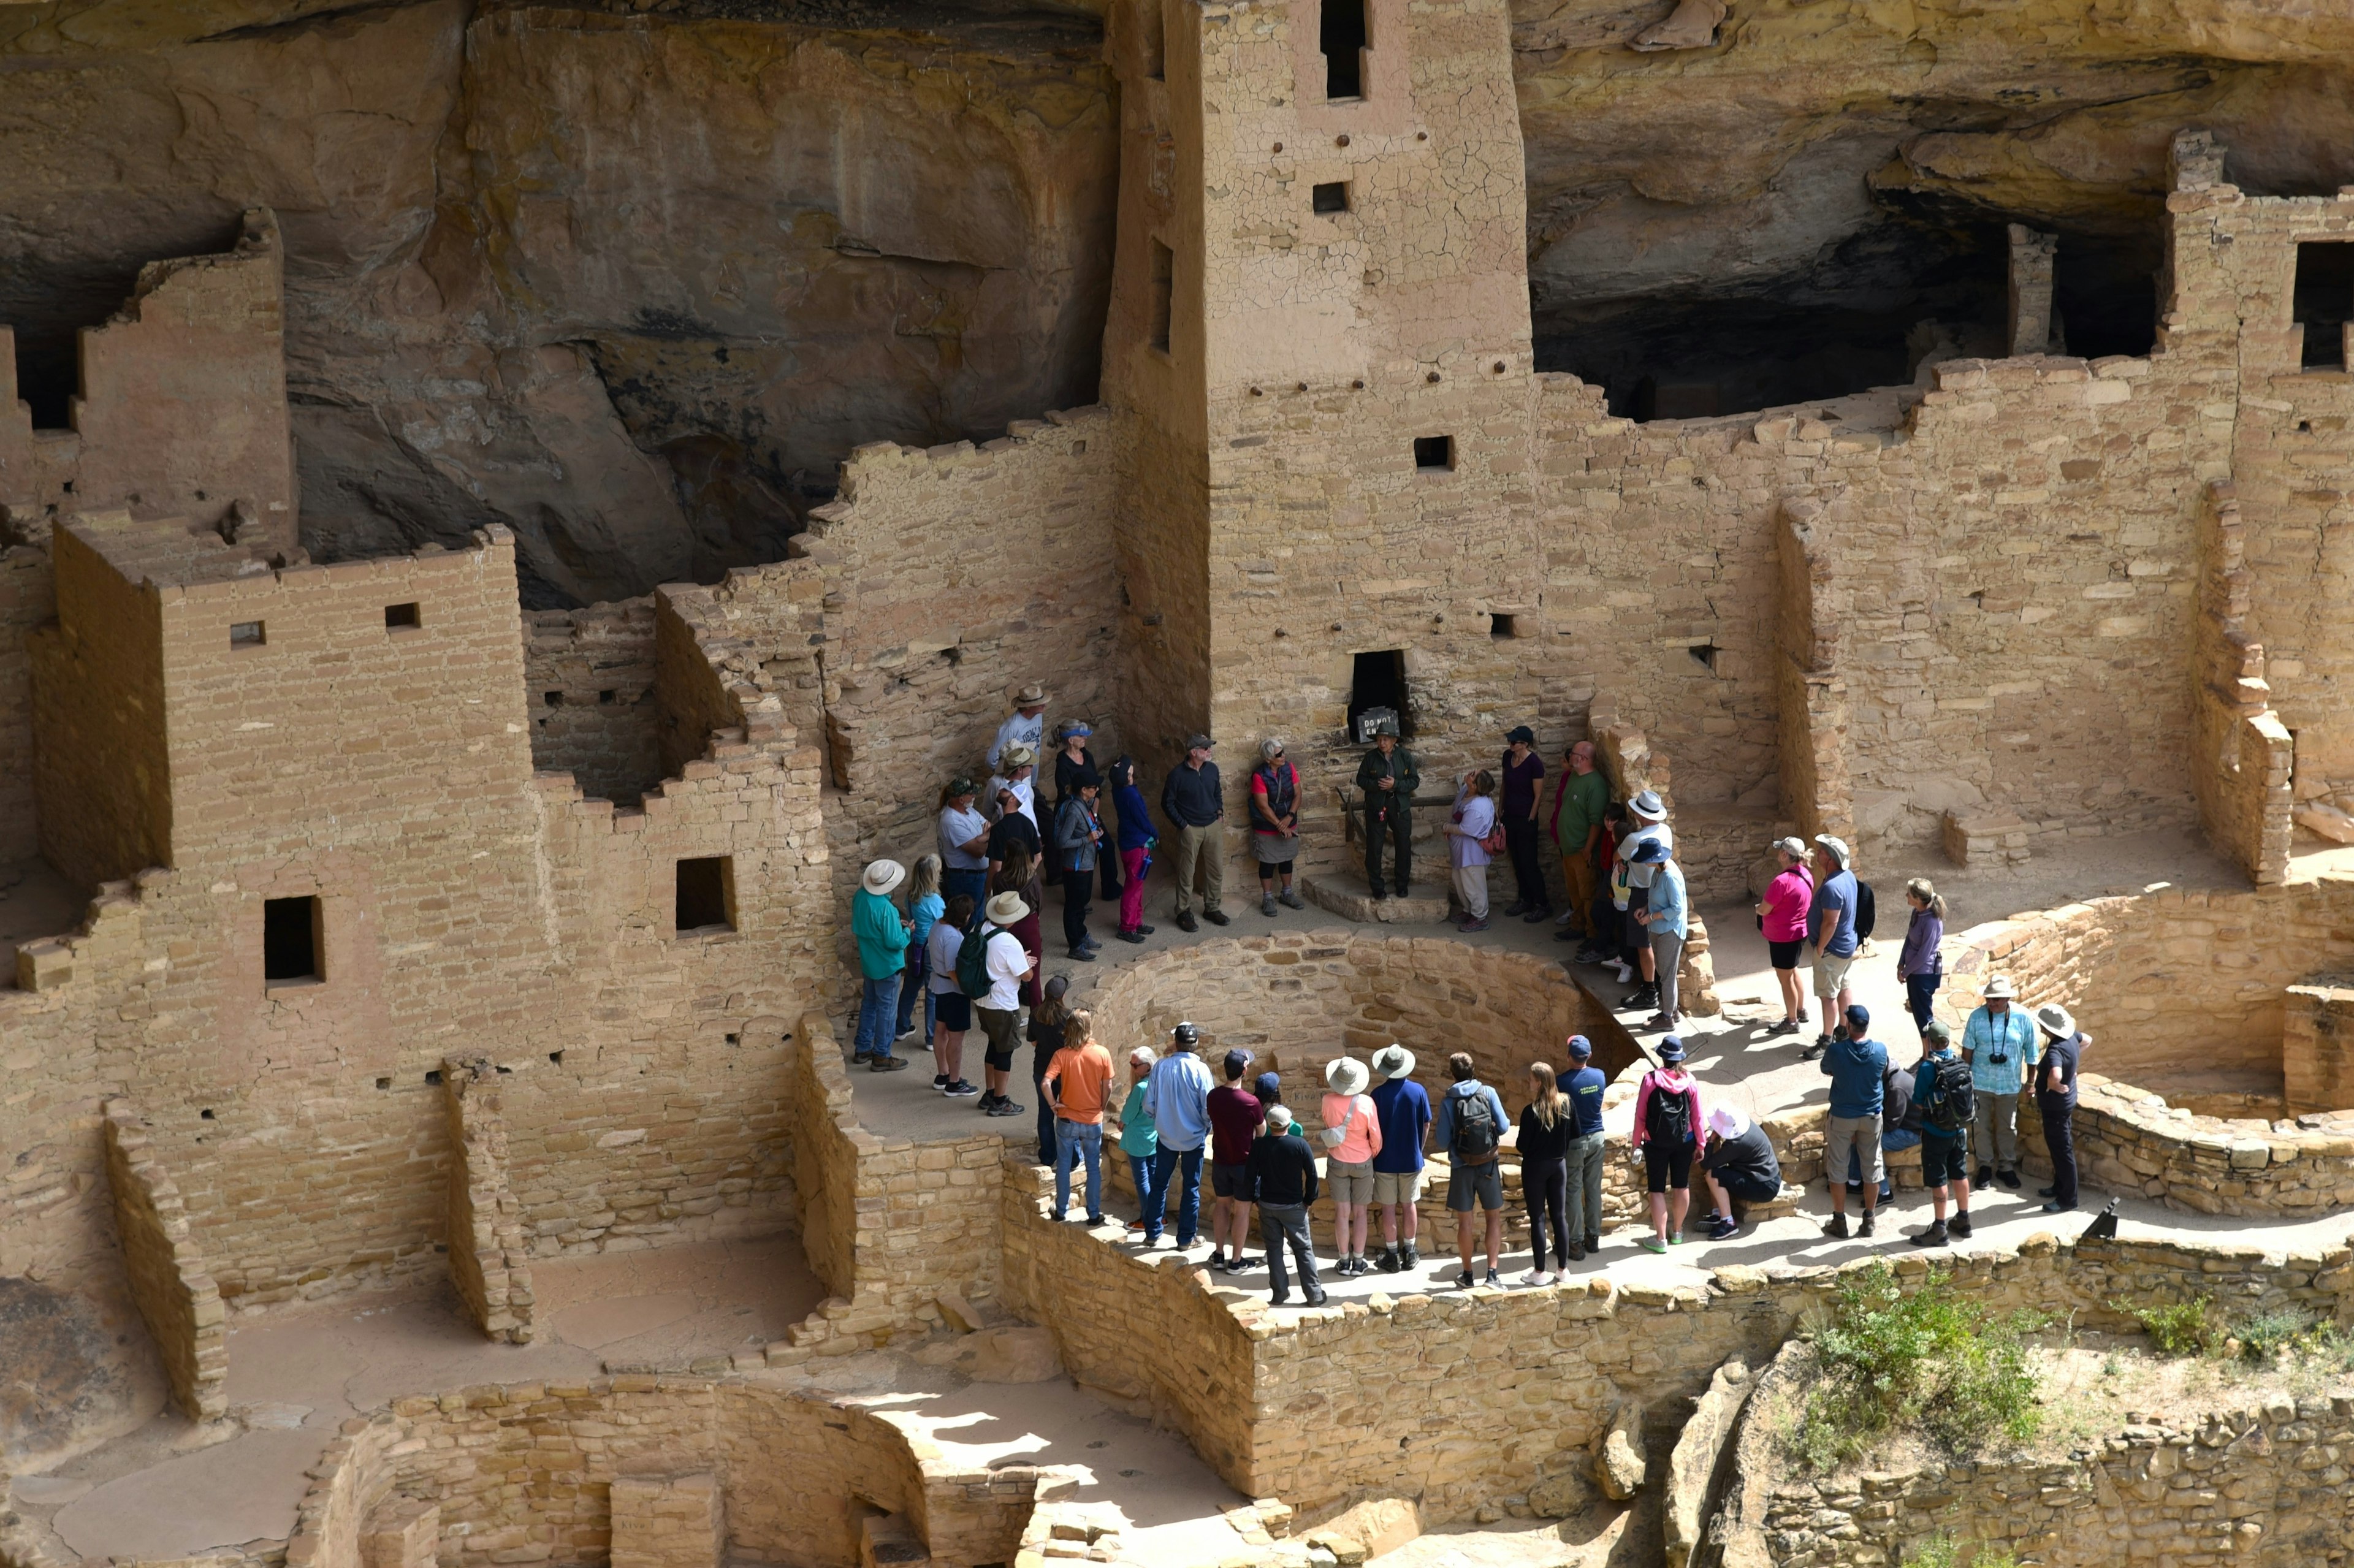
x=1564, y=917
x=1534, y=1277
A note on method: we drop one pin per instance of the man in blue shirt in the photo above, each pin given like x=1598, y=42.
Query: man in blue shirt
x=1177, y=1099
x=1402, y=1111
x=1856, y=1067
x=1999, y=1043
x=1665, y=919
x=1583, y=1086
x=1830, y=929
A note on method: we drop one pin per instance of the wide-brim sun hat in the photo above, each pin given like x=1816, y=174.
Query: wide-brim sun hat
x=1726, y=1122
x=1672, y=1050
x=1394, y=1061
x=1835, y=846
x=1016, y=755
x=1997, y=988
x=1345, y=1076
x=2055, y=1020
x=1647, y=806
x=883, y=876
x=1032, y=695
x=1006, y=909
x=1079, y=727
x=1270, y=748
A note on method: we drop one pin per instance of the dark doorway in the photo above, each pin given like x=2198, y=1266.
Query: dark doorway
x=2323, y=299
x=289, y=939
x=1379, y=682
x=704, y=895
x=1341, y=33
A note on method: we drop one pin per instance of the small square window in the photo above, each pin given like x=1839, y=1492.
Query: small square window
x=553, y=699
x=706, y=896
x=1332, y=197
x=289, y=939
x=1434, y=454
x=401, y=617
x=246, y=634
x=1502, y=626
x=609, y=696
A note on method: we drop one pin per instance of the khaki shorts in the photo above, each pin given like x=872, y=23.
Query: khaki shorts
x=1860, y=1133
x=1397, y=1187
x=1830, y=973
x=1350, y=1181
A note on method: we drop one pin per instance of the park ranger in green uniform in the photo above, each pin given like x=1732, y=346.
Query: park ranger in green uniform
x=1388, y=778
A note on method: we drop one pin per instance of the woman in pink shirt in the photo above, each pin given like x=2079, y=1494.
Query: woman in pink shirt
x=1353, y=1136
x=1782, y=916
x=1667, y=1122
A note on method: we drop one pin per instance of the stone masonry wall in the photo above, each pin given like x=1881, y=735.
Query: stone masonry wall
x=488, y=1262
x=27, y=599
x=2262, y=1486
x=179, y=1299
x=588, y=684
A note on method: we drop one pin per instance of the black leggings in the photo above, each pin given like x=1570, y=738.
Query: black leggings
x=1078, y=887
x=1545, y=1184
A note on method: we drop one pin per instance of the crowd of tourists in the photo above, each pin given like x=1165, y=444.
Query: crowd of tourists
x=967, y=946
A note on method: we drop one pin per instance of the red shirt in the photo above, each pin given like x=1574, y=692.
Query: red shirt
x=1234, y=1116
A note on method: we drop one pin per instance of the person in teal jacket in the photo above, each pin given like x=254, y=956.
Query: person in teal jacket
x=882, y=936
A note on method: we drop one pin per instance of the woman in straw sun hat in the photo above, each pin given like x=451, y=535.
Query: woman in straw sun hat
x=1353, y=1136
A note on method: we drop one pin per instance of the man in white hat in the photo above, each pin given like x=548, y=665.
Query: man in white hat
x=2055, y=1097
x=883, y=934
x=1999, y=1043
x=1650, y=814
x=1014, y=786
x=1007, y=965
x=1830, y=933
x=1403, y=1109
x=1027, y=726
x=1739, y=1166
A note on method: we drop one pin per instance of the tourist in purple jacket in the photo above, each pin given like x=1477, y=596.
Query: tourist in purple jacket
x=1920, y=966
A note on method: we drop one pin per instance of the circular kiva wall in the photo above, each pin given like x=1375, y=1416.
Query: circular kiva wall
x=2220, y=1078
x=1296, y=1002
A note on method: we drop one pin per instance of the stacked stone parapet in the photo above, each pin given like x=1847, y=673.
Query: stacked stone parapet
x=176, y=1295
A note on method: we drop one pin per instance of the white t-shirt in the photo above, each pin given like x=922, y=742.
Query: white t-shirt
x=961, y=827
x=1659, y=830
x=940, y=951
x=1019, y=731
x=1008, y=962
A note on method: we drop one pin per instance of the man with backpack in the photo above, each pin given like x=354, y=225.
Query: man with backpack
x=1943, y=1094
x=990, y=967
x=1857, y=1068
x=1469, y=1131
x=1836, y=928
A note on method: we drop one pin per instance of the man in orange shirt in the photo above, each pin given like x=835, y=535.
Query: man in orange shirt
x=1077, y=1082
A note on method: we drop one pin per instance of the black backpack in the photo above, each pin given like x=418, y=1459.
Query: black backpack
x=972, y=958
x=1667, y=1120
x=1476, y=1131
x=1957, y=1097
x=1866, y=912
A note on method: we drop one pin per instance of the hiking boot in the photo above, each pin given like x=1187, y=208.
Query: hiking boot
x=1144, y=930
x=860, y=1057
x=1836, y=1227
x=1215, y=916
x=1185, y=921
x=1577, y=1253
x=1982, y=1177
x=887, y=1064
x=1472, y=926
x=1136, y=936
x=1402, y=891
x=1933, y=1236
x=2047, y=1191
x=1865, y=1229
x=1822, y=1043
x=1083, y=956
x=1588, y=955
x=2009, y=1178
x=1266, y=905
x=1515, y=907
x=1290, y=900
x=1004, y=1107
x=1960, y=1229
x=1389, y=1261
x=1594, y=1243
x=1408, y=1258
x=1280, y=1298
x=1315, y=1296
x=1533, y=915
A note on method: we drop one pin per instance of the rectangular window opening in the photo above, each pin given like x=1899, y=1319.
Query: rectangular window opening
x=2323, y=300
x=706, y=895
x=1377, y=695
x=246, y=634
x=289, y=939
x=1163, y=295
x=1434, y=454
x=1331, y=197
x=1502, y=626
x=1341, y=33
x=609, y=696
x=401, y=617
x=553, y=699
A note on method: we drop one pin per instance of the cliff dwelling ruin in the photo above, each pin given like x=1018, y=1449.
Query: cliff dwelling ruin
x=518, y=519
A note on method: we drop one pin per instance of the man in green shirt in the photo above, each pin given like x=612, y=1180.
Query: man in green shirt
x=1577, y=806
x=1388, y=778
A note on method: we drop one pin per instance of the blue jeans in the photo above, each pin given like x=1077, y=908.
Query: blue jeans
x=973, y=885
x=876, y=1008
x=1918, y=990
x=1188, y=1197
x=911, y=986
x=1149, y=1198
x=1073, y=1142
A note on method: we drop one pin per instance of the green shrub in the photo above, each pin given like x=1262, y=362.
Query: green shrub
x=1942, y=1551
x=1928, y=1360
x=2266, y=1334
x=2180, y=1328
